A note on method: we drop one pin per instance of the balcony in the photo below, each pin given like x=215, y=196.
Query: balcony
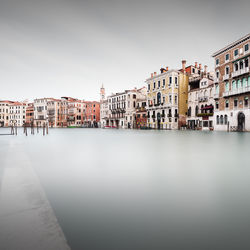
x=203, y=99
x=205, y=114
x=216, y=80
x=226, y=77
x=240, y=72
x=216, y=96
x=237, y=91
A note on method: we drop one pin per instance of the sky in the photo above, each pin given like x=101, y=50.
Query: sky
x=54, y=48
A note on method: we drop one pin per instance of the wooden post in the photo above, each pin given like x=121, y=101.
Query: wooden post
x=47, y=129
x=43, y=129
x=16, y=129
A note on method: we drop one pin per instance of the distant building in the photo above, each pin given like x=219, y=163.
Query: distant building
x=122, y=108
x=4, y=113
x=92, y=114
x=200, y=99
x=17, y=114
x=232, y=86
x=104, y=108
x=141, y=113
x=29, y=119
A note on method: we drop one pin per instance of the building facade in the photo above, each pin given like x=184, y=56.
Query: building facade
x=17, y=114
x=4, y=113
x=167, y=97
x=232, y=86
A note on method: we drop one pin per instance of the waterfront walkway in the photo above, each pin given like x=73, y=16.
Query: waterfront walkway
x=27, y=221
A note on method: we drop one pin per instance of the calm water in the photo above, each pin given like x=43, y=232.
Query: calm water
x=150, y=190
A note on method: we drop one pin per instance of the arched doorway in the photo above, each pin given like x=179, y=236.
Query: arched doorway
x=241, y=121
x=158, y=120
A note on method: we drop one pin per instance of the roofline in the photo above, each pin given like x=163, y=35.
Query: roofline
x=231, y=45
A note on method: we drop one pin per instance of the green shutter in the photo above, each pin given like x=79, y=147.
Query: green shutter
x=244, y=82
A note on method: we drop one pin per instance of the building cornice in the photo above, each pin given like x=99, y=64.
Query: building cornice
x=230, y=46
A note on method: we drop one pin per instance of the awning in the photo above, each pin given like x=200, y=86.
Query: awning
x=207, y=107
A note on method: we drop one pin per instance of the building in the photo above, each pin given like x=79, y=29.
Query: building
x=4, y=113
x=92, y=114
x=104, y=108
x=167, y=96
x=17, y=114
x=141, y=113
x=29, y=118
x=200, y=99
x=54, y=109
x=232, y=86
x=122, y=108
x=41, y=111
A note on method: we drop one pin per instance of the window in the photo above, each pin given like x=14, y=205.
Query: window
x=236, y=67
x=217, y=74
x=235, y=102
x=217, y=120
x=225, y=119
x=154, y=85
x=159, y=84
x=236, y=53
x=227, y=103
x=148, y=87
x=170, y=99
x=246, y=101
x=163, y=84
x=246, y=63
x=175, y=99
x=163, y=99
x=217, y=89
x=227, y=57
x=227, y=86
x=227, y=70
x=217, y=61
x=221, y=119
x=217, y=105
x=176, y=81
x=170, y=80
x=246, y=47
x=196, y=110
x=233, y=85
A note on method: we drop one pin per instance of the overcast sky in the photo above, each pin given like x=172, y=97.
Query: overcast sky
x=54, y=48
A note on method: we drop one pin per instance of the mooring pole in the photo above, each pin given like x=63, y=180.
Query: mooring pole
x=16, y=129
x=47, y=129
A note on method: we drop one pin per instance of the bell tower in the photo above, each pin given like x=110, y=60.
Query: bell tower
x=102, y=93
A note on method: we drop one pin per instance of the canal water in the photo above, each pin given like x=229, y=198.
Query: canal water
x=143, y=190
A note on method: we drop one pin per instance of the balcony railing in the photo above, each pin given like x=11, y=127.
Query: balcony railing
x=237, y=91
x=226, y=77
x=203, y=99
x=216, y=79
x=216, y=96
x=240, y=72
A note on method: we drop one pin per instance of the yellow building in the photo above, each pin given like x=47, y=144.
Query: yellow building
x=167, y=99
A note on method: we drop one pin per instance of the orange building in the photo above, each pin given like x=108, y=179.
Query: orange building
x=92, y=114
x=29, y=118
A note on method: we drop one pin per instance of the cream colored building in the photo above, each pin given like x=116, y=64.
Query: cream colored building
x=17, y=114
x=4, y=113
x=167, y=98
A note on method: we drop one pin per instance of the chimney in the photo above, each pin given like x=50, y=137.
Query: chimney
x=155, y=73
x=152, y=75
x=205, y=69
x=200, y=66
x=196, y=64
x=162, y=70
x=184, y=65
x=166, y=68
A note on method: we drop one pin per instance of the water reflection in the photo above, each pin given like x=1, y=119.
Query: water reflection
x=124, y=189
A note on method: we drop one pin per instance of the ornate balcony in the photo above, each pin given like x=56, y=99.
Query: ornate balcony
x=237, y=91
x=240, y=72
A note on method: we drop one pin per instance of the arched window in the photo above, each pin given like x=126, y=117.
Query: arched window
x=244, y=82
x=217, y=120
x=246, y=63
x=225, y=119
x=234, y=85
x=221, y=119
x=217, y=74
x=236, y=67
x=159, y=98
x=196, y=110
x=239, y=84
x=241, y=64
x=227, y=70
x=189, y=111
x=227, y=86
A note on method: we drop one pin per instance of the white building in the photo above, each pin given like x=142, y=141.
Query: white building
x=17, y=114
x=122, y=108
x=4, y=113
x=41, y=111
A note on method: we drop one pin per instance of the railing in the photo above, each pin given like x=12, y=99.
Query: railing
x=240, y=72
x=216, y=79
x=225, y=77
x=203, y=99
x=216, y=96
x=205, y=114
x=237, y=91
